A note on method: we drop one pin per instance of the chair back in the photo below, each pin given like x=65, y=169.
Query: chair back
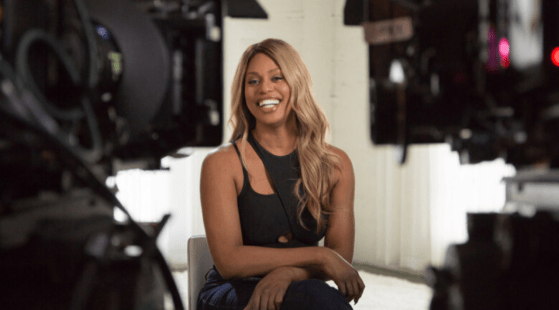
x=199, y=262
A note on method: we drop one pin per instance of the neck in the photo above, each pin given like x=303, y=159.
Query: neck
x=277, y=140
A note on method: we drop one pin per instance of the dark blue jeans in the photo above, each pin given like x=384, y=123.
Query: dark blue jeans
x=220, y=294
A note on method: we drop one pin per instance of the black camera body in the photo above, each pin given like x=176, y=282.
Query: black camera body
x=157, y=81
x=509, y=262
x=89, y=88
x=479, y=74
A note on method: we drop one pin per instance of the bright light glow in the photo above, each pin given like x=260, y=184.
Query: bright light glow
x=555, y=56
x=110, y=182
x=133, y=250
x=504, y=47
x=103, y=32
x=397, y=74
x=120, y=216
x=504, y=52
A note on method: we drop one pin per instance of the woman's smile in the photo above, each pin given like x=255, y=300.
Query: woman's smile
x=267, y=103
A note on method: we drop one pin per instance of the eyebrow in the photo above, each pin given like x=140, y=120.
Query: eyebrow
x=276, y=69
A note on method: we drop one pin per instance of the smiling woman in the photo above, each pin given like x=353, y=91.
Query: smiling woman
x=274, y=191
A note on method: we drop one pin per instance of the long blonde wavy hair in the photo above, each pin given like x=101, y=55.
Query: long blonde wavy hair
x=316, y=160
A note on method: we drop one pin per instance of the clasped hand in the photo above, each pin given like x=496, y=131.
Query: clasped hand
x=347, y=279
x=270, y=291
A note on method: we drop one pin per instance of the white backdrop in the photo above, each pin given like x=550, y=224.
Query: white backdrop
x=405, y=216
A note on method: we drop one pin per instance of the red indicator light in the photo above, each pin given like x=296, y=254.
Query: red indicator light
x=504, y=52
x=555, y=56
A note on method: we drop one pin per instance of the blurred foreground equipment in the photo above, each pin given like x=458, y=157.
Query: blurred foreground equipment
x=509, y=262
x=88, y=88
x=483, y=76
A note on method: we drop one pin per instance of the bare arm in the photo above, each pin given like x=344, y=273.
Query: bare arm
x=340, y=235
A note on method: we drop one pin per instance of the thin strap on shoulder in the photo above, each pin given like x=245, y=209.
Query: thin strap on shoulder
x=236, y=149
x=245, y=172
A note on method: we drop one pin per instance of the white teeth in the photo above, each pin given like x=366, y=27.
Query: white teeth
x=268, y=102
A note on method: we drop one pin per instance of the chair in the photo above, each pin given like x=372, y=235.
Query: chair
x=199, y=262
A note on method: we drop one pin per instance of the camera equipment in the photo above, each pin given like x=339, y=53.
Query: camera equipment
x=88, y=88
x=509, y=262
x=481, y=75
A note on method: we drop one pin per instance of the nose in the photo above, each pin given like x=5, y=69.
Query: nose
x=266, y=86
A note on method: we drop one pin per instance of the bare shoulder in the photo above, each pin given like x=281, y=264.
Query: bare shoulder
x=223, y=159
x=345, y=161
x=344, y=168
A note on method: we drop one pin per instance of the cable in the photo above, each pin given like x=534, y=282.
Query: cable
x=74, y=115
x=9, y=87
x=23, y=70
x=95, y=153
x=93, y=77
x=20, y=102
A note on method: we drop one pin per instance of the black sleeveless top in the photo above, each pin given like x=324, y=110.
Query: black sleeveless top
x=263, y=217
